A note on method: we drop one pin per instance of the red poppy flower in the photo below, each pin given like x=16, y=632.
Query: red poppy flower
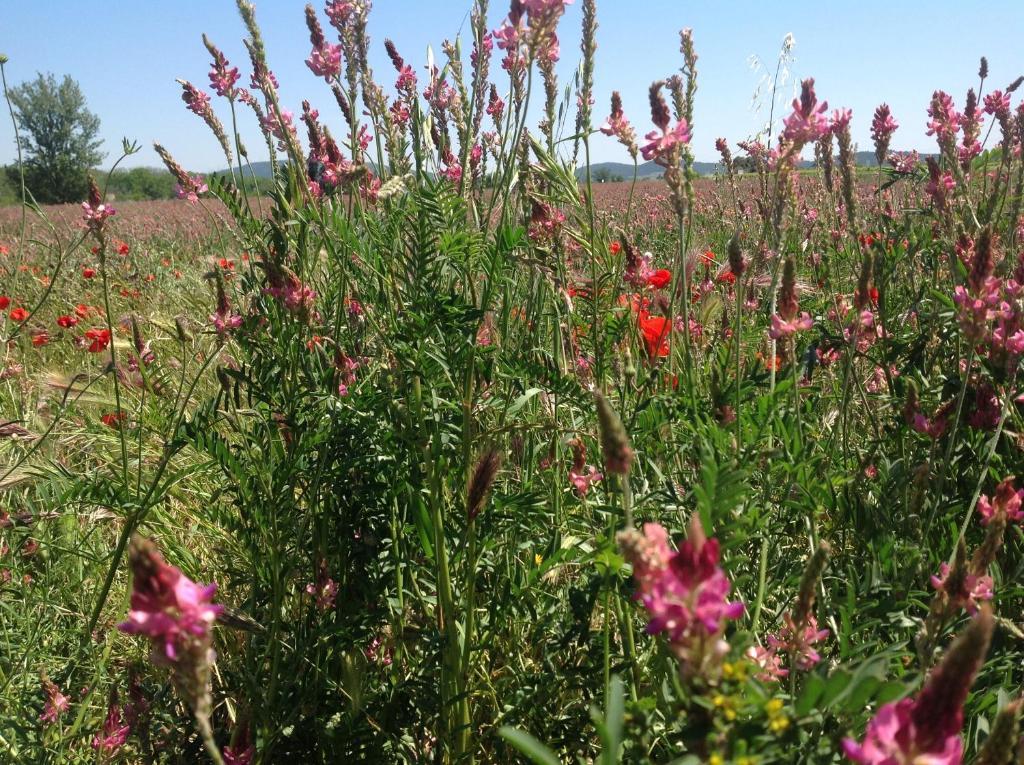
x=82, y=310
x=615, y=248
x=122, y=248
x=40, y=338
x=18, y=314
x=708, y=257
x=873, y=294
x=100, y=339
x=113, y=419
x=659, y=278
x=727, y=278
x=88, y=273
x=655, y=330
x=4, y=302
x=67, y=322
x=226, y=264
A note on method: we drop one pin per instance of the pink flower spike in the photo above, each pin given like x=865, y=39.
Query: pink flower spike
x=114, y=734
x=1007, y=502
x=56, y=702
x=166, y=606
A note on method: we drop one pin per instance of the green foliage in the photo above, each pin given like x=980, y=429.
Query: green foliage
x=140, y=183
x=59, y=138
x=365, y=410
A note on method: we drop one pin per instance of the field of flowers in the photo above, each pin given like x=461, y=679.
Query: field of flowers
x=436, y=452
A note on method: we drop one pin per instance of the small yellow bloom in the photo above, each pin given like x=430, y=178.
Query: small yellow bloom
x=746, y=760
x=773, y=707
x=719, y=700
x=538, y=559
x=716, y=759
x=779, y=724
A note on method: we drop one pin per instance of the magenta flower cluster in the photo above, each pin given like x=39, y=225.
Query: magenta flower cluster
x=169, y=608
x=685, y=592
x=808, y=122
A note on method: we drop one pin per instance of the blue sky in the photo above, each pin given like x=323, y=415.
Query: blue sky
x=126, y=56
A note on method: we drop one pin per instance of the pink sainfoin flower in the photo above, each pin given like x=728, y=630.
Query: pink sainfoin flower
x=191, y=190
x=664, y=144
x=545, y=222
x=808, y=122
x=986, y=411
x=240, y=754
x=452, y=168
x=94, y=212
x=324, y=589
x=945, y=120
x=196, y=100
x=840, y=120
x=487, y=48
x=976, y=589
x=934, y=427
x=581, y=475
x=166, y=606
x=799, y=641
x=115, y=731
x=495, y=106
x=882, y=127
x=508, y=37
x=940, y=184
x=325, y=62
x=997, y=104
x=364, y=138
x=786, y=322
x=926, y=730
x=543, y=16
x=784, y=328
x=295, y=295
x=1006, y=502
x=378, y=652
x=281, y=129
x=325, y=59
x=56, y=702
x=768, y=662
x=224, y=323
x=339, y=12
x=639, y=270
x=406, y=82
x=904, y=162
x=223, y=77
x=971, y=121
x=618, y=126
x=686, y=593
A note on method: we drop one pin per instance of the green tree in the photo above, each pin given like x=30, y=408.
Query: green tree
x=58, y=138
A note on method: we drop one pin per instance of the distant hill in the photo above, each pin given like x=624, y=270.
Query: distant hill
x=624, y=170
x=259, y=169
x=649, y=170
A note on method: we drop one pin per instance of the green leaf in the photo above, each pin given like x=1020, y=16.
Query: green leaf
x=814, y=686
x=528, y=745
x=520, y=402
x=614, y=718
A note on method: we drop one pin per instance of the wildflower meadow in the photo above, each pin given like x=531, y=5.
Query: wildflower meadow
x=430, y=448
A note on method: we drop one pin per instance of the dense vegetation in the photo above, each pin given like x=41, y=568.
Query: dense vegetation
x=701, y=471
